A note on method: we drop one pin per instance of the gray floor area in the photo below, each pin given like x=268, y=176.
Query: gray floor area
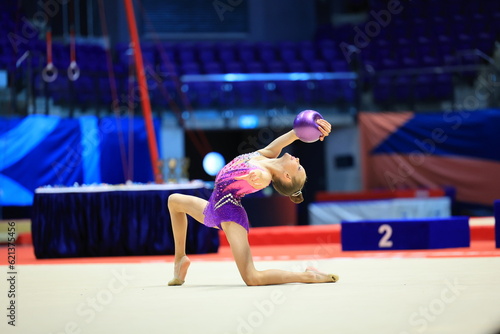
x=400, y=296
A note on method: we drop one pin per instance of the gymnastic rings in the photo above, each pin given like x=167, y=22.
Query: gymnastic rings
x=73, y=71
x=49, y=73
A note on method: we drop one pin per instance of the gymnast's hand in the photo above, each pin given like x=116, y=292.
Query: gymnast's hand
x=324, y=127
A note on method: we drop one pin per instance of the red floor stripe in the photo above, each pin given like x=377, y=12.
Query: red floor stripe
x=296, y=235
x=282, y=243
x=25, y=254
x=482, y=232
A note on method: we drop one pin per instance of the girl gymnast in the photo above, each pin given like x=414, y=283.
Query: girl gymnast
x=247, y=173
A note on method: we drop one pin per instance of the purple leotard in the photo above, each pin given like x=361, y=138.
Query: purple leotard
x=224, y=204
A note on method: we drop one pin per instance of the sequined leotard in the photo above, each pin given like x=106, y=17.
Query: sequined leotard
x=224, y=204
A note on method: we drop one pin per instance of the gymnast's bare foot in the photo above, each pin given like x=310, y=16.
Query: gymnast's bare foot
x=320, y=277
x=180, y=270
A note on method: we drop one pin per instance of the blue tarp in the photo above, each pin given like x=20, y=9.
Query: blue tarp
x=42, y=150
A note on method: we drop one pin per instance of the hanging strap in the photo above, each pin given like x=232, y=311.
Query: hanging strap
x=49, y=73
x=73, y=69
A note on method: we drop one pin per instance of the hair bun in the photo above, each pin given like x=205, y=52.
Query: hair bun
x=296, y=197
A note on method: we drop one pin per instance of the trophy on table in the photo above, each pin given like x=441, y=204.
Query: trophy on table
x=172, y=175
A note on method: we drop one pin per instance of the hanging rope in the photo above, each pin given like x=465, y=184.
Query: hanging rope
x=198, y=137
x=131, y=106
x=73, y=69
x=143, y=90
x=112, y=84
x=49, y=73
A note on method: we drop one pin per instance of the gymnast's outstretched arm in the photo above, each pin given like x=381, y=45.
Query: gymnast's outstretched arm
x=273, y=150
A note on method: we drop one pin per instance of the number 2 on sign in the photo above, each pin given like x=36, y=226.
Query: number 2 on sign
x=386, y=231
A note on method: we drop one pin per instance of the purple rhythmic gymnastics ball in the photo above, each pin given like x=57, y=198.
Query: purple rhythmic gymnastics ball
x=305, y=126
